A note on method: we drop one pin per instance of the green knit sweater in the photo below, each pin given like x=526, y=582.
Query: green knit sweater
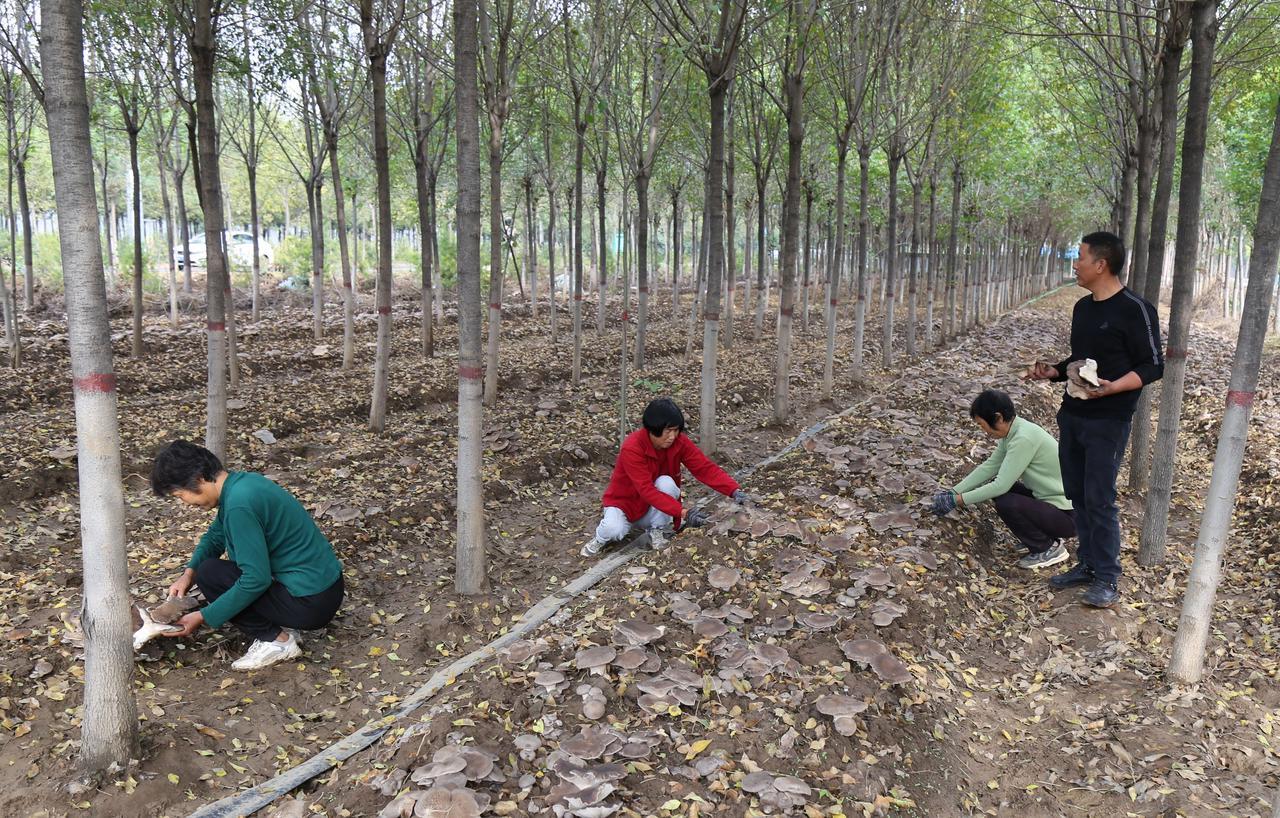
x=1028, y=453
x=267, y=533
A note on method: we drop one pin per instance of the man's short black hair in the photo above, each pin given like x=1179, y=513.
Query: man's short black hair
x=1107, y=246
x=662, y=414
x=992, y=405
x=181, y=465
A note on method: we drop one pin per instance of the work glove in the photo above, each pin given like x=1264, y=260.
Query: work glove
x=696, y=518
x=740, y=497
x=944, y=502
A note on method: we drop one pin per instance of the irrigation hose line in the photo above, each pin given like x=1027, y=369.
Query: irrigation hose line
x=247, y=802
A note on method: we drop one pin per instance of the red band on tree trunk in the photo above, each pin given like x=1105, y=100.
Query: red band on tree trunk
x=577, y=296
x=787, y=311
x=493, y=306
x=346, y=284
x=1176, y=354
x=1242, y=399
x=711, y=316
x=384, y=310
x=470, y=373
x=625, y=316
x=644, y=289
x=216, y=326
x=835, y=302
x=97, y=382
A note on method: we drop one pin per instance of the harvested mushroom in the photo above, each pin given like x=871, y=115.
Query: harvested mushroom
x=173, y=609
x=149, y=629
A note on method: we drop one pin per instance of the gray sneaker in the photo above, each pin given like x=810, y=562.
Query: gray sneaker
x=592, y=548
x=1057, y=553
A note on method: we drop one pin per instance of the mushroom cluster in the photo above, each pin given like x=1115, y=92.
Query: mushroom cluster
x=781, y=793
x=672, y=688
x=873, y=653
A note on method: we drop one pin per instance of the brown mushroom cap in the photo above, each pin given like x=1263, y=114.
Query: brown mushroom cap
x=723, y=577
x=863, y=650
x=709, y=628
x=791, y=784
x=548, y=678
x=172, y=609
x=438, y=802
x=590, y=743
x=840, y=706
x=636, y=632
x=757, y=782
x=818, y=621
x=631, y=658
x=889, y=668
x=596, y=656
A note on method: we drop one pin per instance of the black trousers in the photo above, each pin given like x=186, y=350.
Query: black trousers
x=1034, y=522
x=1090, y=451
x=276, y=608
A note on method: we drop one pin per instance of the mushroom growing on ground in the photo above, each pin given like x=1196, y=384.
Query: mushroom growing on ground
x=723, y=577
x=636, y=632
x=595, y=659
x=841, y=709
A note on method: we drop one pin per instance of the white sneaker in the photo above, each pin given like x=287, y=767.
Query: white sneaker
x=264, y=654
x=592, y=548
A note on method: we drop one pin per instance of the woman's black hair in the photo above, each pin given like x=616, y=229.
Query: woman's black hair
x=181, y=465
x=992, y=404
x=662, y=414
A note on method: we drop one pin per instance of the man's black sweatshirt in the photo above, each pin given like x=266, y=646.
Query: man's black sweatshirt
x=1121, y=333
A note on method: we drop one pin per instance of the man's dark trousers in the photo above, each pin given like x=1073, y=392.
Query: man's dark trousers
x=1035, y=523
x=276, y=608
x=1090, y=451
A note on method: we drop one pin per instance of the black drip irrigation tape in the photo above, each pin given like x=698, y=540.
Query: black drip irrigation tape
x=249, y=801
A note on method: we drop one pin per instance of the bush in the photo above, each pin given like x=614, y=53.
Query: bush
x=46, y=258
x=293, y=256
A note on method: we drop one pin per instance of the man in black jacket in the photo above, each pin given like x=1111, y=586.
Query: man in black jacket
x=1121, y=331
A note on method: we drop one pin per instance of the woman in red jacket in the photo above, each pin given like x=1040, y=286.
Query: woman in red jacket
x=644, y=490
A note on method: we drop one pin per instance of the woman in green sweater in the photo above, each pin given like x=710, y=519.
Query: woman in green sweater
x=279, y=573
x=1022, y=477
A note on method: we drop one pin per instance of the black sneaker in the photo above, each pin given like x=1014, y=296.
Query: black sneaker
x=1080, y=575
x=1101, y=594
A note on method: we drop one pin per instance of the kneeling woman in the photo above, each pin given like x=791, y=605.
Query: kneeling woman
x=263, y=565
x=1022, y=478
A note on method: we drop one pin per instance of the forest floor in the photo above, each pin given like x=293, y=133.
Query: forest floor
x=1006, y=699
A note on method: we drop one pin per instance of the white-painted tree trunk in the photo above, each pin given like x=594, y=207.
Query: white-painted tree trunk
x=110, y=724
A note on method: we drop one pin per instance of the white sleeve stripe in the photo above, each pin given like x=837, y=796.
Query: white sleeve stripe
x=1151, y=336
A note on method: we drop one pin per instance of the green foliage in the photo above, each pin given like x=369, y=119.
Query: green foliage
x=46, y=256
x=293, y=256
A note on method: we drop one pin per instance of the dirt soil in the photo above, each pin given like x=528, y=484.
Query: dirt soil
x=976, y=690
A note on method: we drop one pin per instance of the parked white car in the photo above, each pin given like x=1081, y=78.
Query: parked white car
x=239, y=250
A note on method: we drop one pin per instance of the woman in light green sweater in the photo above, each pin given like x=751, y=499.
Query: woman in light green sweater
x=1022, y=477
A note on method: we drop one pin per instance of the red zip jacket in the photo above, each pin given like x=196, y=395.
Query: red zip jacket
x=639, y=464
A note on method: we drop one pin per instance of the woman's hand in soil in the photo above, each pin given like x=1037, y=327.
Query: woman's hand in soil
x=189, y=624
x=182, y=584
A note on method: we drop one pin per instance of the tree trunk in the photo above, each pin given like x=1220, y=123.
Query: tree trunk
x=24, y=214
x=864, y=280
x=891, y=260
x=931, y=279
x=203, y=61
x=808, y=257
x=424, y=226
x=166, y=204
x=551, y=265
x=1152, y=548
x=184, y=225
x=913, y=273
x=1191, y=641
x=762, y=296
x=792, y=85
x=714, y=228
x=348, y=291
x=578, y=148
x=469, y=577
x=642, y=269
x=376, y=52
x=109, y=728
x=602, y=261
x=531, y=247
x=833, y=272
x=953, y=246
x=1140, y=445
x=136, y=207
x=496, y=239
x=315, y=210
